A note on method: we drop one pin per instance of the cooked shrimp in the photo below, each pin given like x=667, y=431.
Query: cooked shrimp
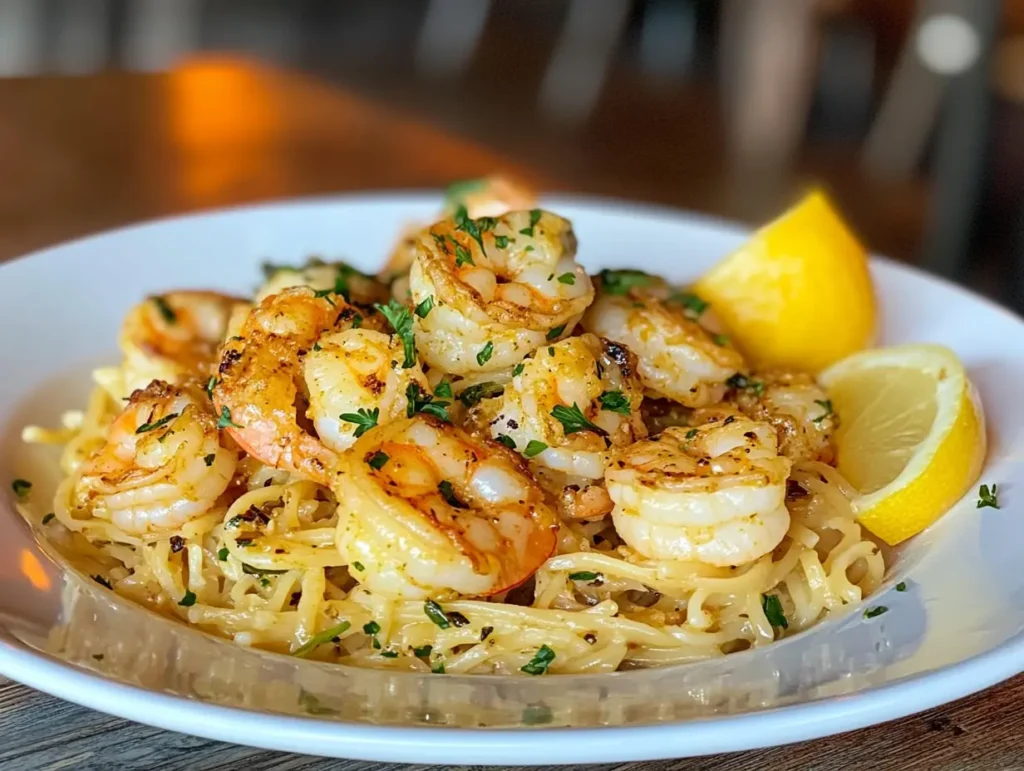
x=678, y=358
x=500, y=287
x=795, y=405
x=298, y=357
x=714, y=493
x=356, y=287
x=426, y=510
x=169, y=337
x=162, y=465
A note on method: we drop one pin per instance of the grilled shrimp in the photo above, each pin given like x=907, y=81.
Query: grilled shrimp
x=426, y=510
x=169, y=337
x=298, y=357
x=357, y=288
x=714, y=493
x=500, y=287
x=795, y=405
x=678, y=358
x=162, y=465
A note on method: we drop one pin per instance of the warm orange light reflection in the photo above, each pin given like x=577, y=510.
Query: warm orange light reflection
x=33, y=570
x=224, y=118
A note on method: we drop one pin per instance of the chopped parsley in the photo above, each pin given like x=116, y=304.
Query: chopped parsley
x=878, y=610
x=485, y=353
x=462, y=256
x=21, y=488
x=501, y=241
x=317, y=640
x=741, y=381
x=389, y=654
x=989, y=498
x=325, y=294
x=772, y=606
x=400, y=319
x=443, y=390
x=583, y=575
x=48, y=517
x=475, y=393
x=188, y=600
x=358, y=566
x=166, y=311
x=209, y=459
x=535, y=215
x=225, y=419
x=364, y=419
x=457, y=191
x=692, y=304
x=472, y=227
x=691, y=434
x=573, y=420
x=425, y=307
x=371, y=628
x=211, y=384
x=222, y=553
x=146, y=427
x=436, y=614
x=540, y=662
x=508, y=441
x=621, y=281
x=518, y=370
x=437, y=667
x=533, y=448
x=825, y=404
x=614, y=401
x=317, y=346
x=378, y=460
x=901, y=586
x=418, y=400
x=567, y=278
x=447, y=490
x=423, y=651
x=555, y=332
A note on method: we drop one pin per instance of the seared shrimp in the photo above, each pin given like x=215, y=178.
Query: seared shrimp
x=714, y=493
x=298, y=354
x=356, y=287
x=679, y=359
x=162, y=465
x=795, y=405
x=169, y=337
x=499, y=288
x=426, y=510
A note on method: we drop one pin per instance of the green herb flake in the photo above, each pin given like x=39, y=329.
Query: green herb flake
x=188, y=600
x=457, y=191
x=447, y=490
x=225, y=419
x=988, y=498
x=436, y=614
x=209, y=459
x=772, y=606
x=540, y=662
x=475, y=393
x=535, y=215
x=567, y=278
x=614, y=401
x=574, y=421
x=583, y=575
x=48, y=518
x=508, y=441
x=378, y=460
x=210, y=385
x=901, y=586
x=325, y=294
x=469, y=226
x=437, y=667
x=534, y=448
x=692, y=304
x=222, y=553
x=21, y=488
x=462, y=256
x=501, y=241
x=518, y=370
x=317, y=640
x=825, y=404
x=147, y=427
x=363, y=419
x=424, y=308
x=878, y=610
x=371, y=628
x=400, y=319
x=485, y=354
x=443, y=390
x=166, y=311
x=691, y=434
x=619, y=282
x=742, y=382
x=418, y=400
x=555, y=332
x=389, y=654
x=422, y=652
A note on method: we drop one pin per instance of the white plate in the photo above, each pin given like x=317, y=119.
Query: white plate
x=956, y=630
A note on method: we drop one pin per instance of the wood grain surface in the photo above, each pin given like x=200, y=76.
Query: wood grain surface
x=88, y=153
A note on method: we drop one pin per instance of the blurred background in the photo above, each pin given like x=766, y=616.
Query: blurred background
x=909, y=112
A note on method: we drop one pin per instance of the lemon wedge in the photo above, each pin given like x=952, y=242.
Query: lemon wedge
x=911, y=436
x=797, y=293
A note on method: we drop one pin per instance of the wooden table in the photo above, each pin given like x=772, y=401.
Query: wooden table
x=84, y=154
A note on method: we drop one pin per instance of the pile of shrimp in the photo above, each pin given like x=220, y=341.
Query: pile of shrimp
x=483, y=459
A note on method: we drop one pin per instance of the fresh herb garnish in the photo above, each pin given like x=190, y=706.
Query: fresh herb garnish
x=475, y=393
x=209, y=459
x=614, y=401
x=222, y=553
x=741, y=381
x=692, y=304
x=371, y=627
x=437, y=667
x=619, y=282
x=325, y=294
x=425, y=307
x=508, y=441
x=583, y=575
x=48, y=517
x=901, y=586
x=21, y=488
x=323, y=637
x=188, y=600
x=534, y=219
x=436, y=614
x=469, y=226
x=358, y=566
x=146, y=427
x=400, y=319
x=555, y=331
x=389, y=654
x=533, y=448
x=225, y=419
x=989, y=498
x=691, y=434
x=378, y=460
x=772, y=606
x=567, y=278
x=540, y=662
x=211, y=384
x=457, y=191
x=423, y=651
x=878, y=610
x=364, y=419
x=518, y=369
x=501, y=241
x=825, y=404
x=166, y=311
x=573, y=420
x=484, y=355
x=462, y=256
x=418, y=400
x=447, y=491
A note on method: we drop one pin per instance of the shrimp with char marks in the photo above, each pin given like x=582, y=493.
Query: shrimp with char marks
x=499, y=287
x=714, y=493
x=426, y=510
